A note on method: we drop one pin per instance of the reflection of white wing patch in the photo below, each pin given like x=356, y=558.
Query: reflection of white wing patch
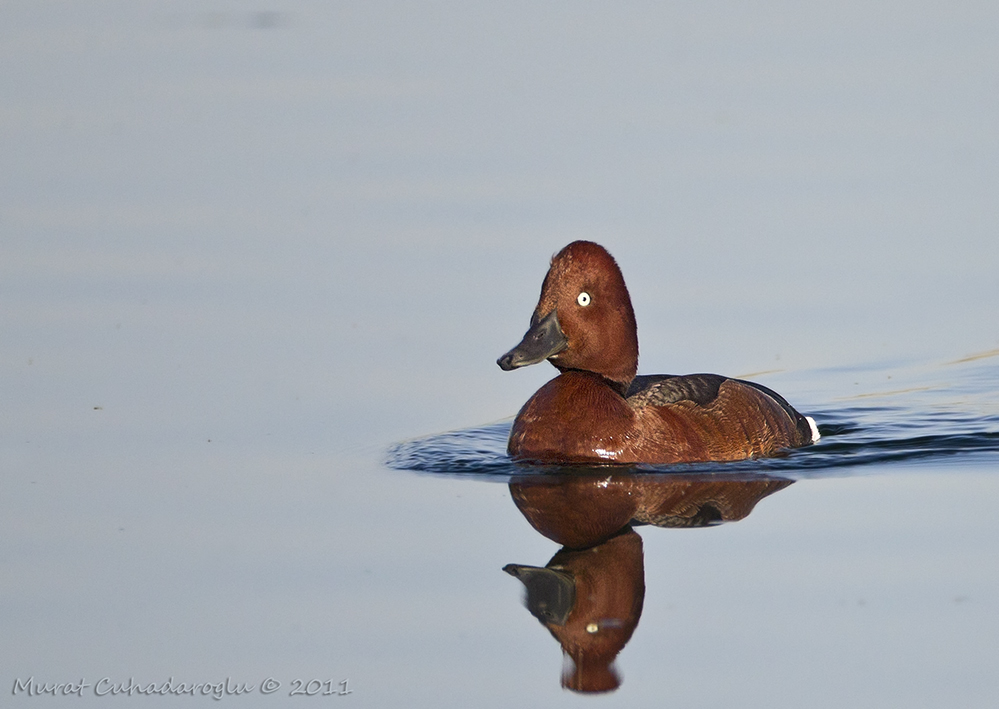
x=815, y=429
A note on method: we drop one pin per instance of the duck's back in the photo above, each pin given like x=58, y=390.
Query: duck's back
x=708, y=417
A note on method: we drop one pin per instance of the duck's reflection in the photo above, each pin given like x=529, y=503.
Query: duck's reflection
x=590, y=594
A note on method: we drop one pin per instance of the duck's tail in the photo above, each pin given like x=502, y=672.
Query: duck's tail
x=815, y=429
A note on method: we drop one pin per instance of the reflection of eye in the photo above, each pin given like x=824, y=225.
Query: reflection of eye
x=583, y=299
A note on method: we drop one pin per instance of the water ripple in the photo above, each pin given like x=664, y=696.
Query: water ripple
x=926, y=420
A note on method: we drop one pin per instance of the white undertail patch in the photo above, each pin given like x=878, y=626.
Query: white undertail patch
x=815, y=429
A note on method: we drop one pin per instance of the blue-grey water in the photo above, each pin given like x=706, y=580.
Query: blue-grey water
x=256, y=266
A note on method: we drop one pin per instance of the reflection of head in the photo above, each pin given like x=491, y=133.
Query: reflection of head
x=590, y=600
x=588, y=676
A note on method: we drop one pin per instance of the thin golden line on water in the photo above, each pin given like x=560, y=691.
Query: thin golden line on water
x=884, y=393
x=973, y=357
x=758, y=374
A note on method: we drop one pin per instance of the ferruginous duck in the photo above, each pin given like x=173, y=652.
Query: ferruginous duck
x=597, y=411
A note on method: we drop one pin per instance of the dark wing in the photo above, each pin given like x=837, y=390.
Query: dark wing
x=663, y=389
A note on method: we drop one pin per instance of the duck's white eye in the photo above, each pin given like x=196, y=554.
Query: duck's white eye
x=583, y=299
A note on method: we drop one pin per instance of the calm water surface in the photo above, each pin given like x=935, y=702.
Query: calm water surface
x=255, y=271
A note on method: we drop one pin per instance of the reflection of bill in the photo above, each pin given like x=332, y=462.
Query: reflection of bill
x=590, y=594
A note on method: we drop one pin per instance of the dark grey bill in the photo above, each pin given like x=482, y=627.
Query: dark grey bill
x=544, y=339
x=551, y=594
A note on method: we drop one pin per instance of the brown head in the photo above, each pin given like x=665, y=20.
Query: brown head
x=584, y=319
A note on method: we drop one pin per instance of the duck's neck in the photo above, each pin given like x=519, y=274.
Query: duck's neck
x=621, y=387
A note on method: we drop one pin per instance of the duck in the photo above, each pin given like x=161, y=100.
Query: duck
x=598, y=410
